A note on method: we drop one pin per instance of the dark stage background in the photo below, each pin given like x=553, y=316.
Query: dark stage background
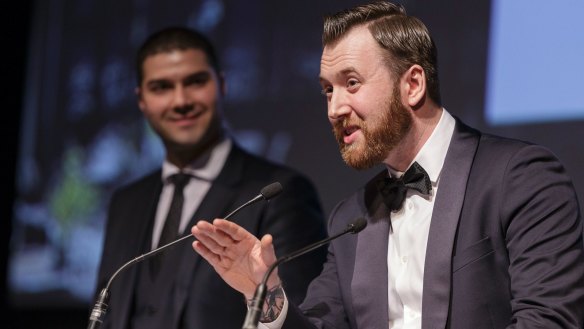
x=75, y=132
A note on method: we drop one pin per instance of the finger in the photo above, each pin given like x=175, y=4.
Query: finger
x=220, y=236
x=203, y=225
x=204, y=228
x=200, y=232
x=209, y=256
x=208, y=239
x=236, y=232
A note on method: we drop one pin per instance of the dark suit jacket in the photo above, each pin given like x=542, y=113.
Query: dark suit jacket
x=194, y=296
x=504, y=249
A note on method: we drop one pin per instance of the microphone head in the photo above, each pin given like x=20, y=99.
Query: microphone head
x=271, y=190
x=357, y=226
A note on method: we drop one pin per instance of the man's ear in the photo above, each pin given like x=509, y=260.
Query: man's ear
x=138, y=92
x=414, y=80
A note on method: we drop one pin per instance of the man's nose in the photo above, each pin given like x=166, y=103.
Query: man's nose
x=338, y=106
x=181, y=101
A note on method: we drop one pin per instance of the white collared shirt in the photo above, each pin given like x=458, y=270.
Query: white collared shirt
x=204, y=170
x=409, y=236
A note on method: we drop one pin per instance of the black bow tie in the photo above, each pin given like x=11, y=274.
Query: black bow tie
x=394, y=190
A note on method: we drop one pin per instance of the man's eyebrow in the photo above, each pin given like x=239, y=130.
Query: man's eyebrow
x=198, y=74
x=342, y=72
x=347, y=70
x=156, y=81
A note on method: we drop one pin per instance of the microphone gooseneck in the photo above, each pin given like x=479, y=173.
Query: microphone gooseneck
x=255, y=310
x=100, y=308
x=266, y=193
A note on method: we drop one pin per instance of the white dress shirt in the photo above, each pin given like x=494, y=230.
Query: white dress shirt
x=204, y=170
x=408, y=238
x=409, y=235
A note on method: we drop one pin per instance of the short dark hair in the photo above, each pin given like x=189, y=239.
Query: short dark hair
x=175, y=38
x=405, y=38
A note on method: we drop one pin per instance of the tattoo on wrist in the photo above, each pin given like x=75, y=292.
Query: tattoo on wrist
x=273, y=304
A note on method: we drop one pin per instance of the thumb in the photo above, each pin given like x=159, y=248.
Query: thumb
x=268, y=253
x=269, y=257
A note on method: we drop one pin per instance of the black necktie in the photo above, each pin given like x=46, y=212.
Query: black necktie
x=172, y=223
x=394, y=190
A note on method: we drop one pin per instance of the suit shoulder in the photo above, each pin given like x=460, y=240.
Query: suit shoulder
x=509, y=149
x=258, y=165
x=139, y=185
x=495, y=145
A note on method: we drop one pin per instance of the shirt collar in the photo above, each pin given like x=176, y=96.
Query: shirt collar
x=432, y=155
x=206, y=167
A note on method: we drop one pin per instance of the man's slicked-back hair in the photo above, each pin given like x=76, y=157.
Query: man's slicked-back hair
x=405, y=38
x=175, y=38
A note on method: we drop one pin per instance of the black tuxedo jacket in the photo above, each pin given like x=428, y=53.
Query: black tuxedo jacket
x=193, y=295
x=504, y=249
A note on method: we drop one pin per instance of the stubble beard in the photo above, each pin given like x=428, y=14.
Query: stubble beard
x=380, y=136
x=187, y=149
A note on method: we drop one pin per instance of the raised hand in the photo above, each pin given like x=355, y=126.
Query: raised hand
x=238, y=256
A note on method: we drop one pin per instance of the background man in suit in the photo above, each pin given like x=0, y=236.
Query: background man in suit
x=180, y=89
x=465, y=230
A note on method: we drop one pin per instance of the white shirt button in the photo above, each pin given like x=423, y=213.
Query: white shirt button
x=410, y=205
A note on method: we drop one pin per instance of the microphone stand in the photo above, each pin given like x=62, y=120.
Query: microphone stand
x=100, y=308
x=253, y=314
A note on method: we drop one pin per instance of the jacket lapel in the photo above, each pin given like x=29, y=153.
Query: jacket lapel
x=445, y=217
x=125, y=283
x=369, y=285
x=217, y=203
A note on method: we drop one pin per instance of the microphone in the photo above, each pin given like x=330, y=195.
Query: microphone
x=259, y=297
x=99, y=310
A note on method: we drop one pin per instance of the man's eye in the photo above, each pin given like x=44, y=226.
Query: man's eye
x=159, y=87
x=326, y=91
x=197, y=81
x=352, y=83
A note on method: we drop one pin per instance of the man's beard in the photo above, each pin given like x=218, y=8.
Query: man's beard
x=380, y=136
